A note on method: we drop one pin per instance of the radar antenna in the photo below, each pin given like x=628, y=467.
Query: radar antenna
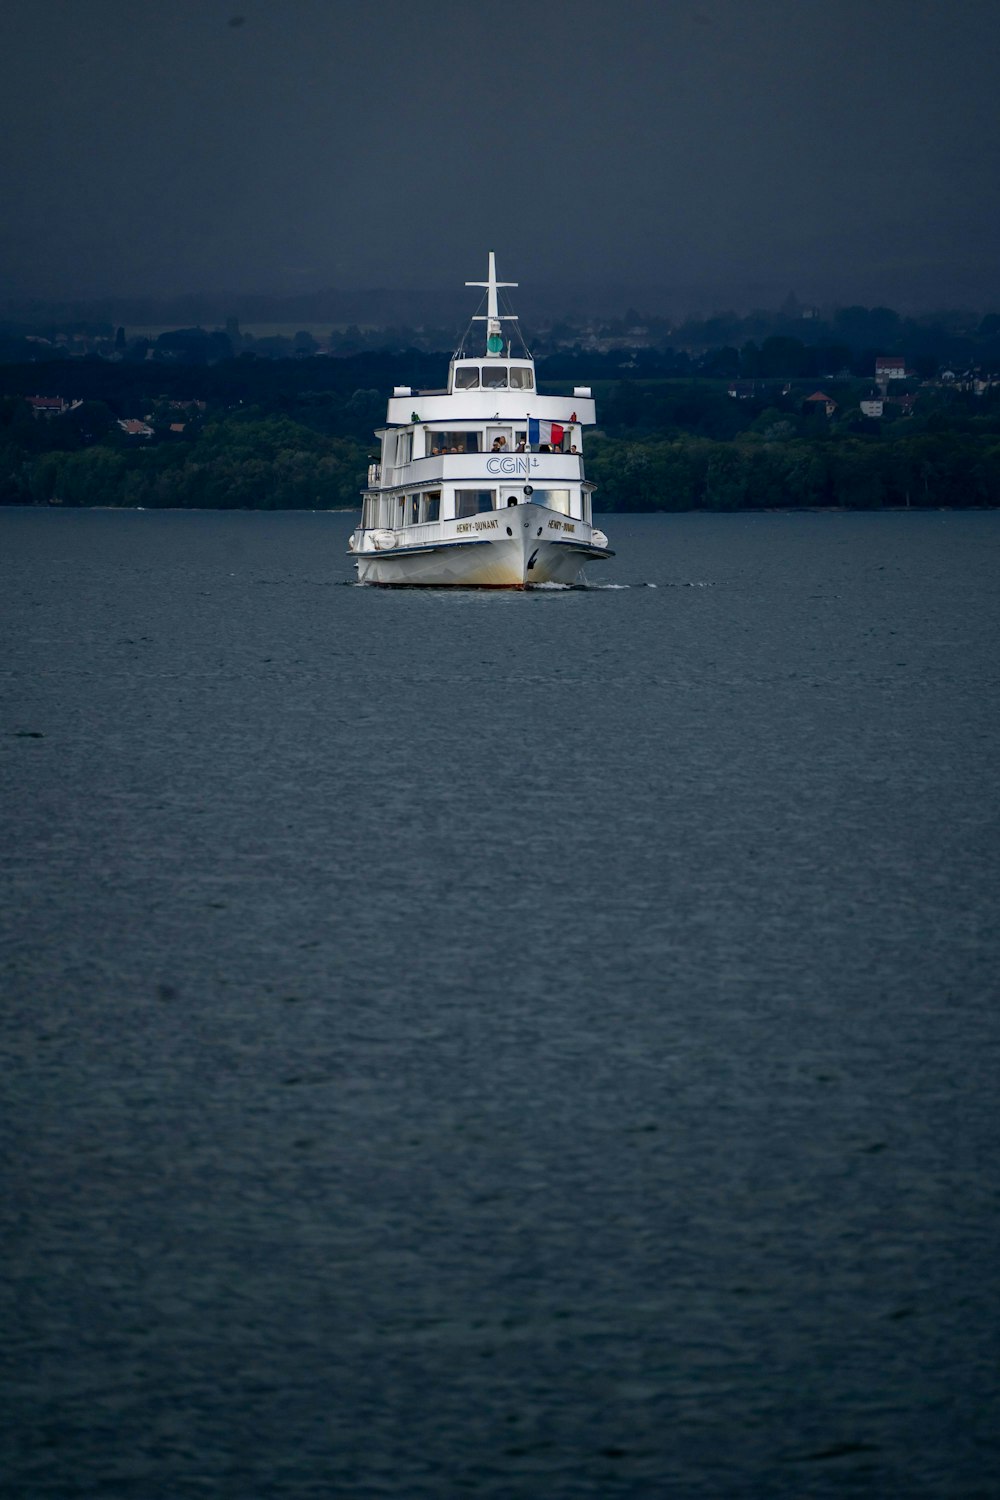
x=493, y=317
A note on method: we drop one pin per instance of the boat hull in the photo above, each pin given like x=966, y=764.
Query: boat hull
x=526, y=546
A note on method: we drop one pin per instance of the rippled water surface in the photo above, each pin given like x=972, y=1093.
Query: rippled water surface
x=524, y=1046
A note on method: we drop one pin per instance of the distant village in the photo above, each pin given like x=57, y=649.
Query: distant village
x=177, y=415
x=895, y=391
x=857, y=407
x=826, y=363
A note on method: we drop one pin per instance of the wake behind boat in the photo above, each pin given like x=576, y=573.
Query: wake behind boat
x=480, y=485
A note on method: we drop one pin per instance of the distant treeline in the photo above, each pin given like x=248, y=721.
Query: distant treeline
x=245, y=462
x=400, y=319
x=793, y=340
x=750, y=473
x=294, y=434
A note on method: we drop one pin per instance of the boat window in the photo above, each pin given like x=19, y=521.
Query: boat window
x=412, y=509
x=495, y=377
x=467, y=379
x=370, y=511
x=552, y=500
x=471, y=502
x=521, y=380
x=397, y=511
x=404, y=447
x=430, y=507
x=453, y=442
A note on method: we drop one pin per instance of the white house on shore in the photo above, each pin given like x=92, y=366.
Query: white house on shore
x=890, y=367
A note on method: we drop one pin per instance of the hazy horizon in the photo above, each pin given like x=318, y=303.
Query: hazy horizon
x=452, y=304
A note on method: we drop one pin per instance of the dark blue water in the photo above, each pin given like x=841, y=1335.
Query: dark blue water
x=510, y=1045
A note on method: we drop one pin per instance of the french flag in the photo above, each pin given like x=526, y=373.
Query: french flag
x=544, y=432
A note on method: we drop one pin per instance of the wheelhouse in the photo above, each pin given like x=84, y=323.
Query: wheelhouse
x=491, y=375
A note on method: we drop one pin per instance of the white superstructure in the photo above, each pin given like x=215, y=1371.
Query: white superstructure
x=480, y=485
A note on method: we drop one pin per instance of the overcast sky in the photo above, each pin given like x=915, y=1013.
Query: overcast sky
x=842, y=148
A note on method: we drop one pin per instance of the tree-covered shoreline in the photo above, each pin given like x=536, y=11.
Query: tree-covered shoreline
x=297, y=434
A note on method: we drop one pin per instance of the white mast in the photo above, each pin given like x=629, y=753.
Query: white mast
x=493, y=317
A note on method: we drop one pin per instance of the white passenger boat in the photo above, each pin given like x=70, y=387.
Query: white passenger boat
x=480, y=485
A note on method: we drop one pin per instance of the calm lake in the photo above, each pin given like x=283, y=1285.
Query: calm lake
x=524, y=1046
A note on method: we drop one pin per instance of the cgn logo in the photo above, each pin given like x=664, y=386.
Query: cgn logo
x=510, y=463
